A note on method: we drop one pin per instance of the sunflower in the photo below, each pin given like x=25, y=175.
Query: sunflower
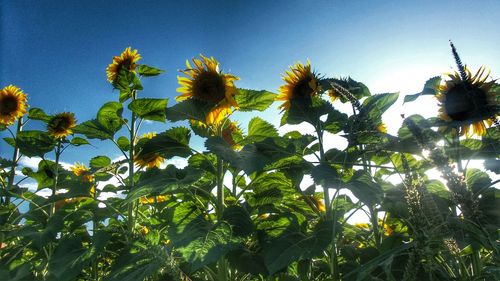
x=382, y=128
x=207, y=83
x=301, y=85
x=470, y=104
x=227, y=134
x=12, y=104
x=81, y=170
x=149, y=160
x=127, y=60
x=154, y=199
x=61, y=125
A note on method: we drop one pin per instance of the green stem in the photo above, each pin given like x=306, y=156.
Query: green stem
x=131, y=221
x=220, y=187
x=376, y=230
x=14, y=163
x=56, y=177
x=326, y=193
x=456, y=142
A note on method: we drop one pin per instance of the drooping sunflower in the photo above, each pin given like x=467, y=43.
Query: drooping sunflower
x=471, y=104
x=301, y=85
x=207, y=83
x=12, y=104
x=148, y=160
x=61, y=125
x=80, y=169
x=127, y=60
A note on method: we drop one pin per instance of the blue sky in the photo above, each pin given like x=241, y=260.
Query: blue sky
x=57, y=51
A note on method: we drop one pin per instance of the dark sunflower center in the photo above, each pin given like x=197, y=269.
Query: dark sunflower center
x=464, y=104
x=302, y=90
x=60, y=124
x=9, y=104
x=209, y=86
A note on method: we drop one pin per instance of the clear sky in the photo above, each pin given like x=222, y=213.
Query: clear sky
x=57, y=50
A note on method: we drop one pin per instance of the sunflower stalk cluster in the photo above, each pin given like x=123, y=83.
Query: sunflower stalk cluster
x=209, y=198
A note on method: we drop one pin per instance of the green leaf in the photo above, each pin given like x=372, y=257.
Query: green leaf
x=306, y=111
x=335, y=122
x=34, y=143
x=364, y=188
x=249, y=100
x=123, y=143
x=92, y=129
x=99, y=162
x=44, y=175
x=126, y=82
x=221, y=148
x=374, y=106
x=64, y=264
x=189, y=109
x=38, y=114
x=110, y=116
x=256, y=156
x=325, y=175
x=199, y=241
x=149, y=109
x=77, y=141
x=430, y=88
x=173, y=142
x=147, y=71
x=296, y=246
x=239, y=220
x=259, y=129
x=477, y=180
x=156, y=181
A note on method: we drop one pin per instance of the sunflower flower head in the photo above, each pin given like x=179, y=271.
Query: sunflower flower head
x=205, y=82
x=12, y=104
x=126, y=60
x=382, y=128
x=154, y=199
x=301, y=85
x=80, y=170
x=148, y=160
x=61, y=125
x=470, y=104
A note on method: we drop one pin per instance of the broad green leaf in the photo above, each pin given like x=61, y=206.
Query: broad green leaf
x=147, y=71
x=77, y=141
x=38, y=114
x=305, y=110
x=64, y=264
x=110, y=116
x=296, y=246
x=34, y=143
x=149, y=109
x=44, y=175
x=221, y=148
x=254, y=157
x=155, y=181
x=477, y=180
x=126, y=82
x=199, y=241
x=189, y=109
x=326, y=176
x=99, y=162
x=335, y=122
x=92, y=129
x=259, y=129
x=374, y=106
x=123, y=143
x=430, y=88
x=173, y=142
x=249, y=100
x=239, y=220
x=139, y=264
x=365, y=188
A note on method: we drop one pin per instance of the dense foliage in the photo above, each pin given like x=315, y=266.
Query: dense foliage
x=237, y=210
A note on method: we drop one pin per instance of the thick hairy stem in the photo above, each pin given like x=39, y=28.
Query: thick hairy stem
x=131, y=221
x=14, y=163
x=220, y=187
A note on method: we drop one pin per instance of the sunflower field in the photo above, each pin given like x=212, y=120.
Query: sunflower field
x=255, y=204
